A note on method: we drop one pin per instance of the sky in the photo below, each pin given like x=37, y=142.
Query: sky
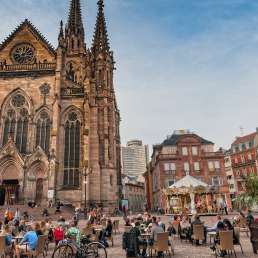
x=181, y=64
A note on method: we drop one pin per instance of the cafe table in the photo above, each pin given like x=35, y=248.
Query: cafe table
x=211, y=235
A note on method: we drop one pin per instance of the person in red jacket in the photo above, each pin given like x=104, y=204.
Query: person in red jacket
x=58, y=234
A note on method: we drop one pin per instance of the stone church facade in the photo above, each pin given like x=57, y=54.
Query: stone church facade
x=59, y=116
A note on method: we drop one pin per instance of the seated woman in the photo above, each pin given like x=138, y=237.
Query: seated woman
x=8, y=240
x=185, y=228
x=109, y=228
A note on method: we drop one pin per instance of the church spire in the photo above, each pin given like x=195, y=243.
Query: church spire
x=74, y=32
x=100, y=39
x=61, y=34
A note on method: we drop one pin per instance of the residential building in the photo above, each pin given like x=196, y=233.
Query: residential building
x=230, y=175
x=59, y=115
x=135, y=157
x=185, y=153
x=134, y=192
x=243, y=158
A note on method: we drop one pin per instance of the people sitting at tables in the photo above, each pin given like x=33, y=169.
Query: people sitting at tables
x=31, y=239
x=58, y=233
x=135, y=230
x=225, y=226
x=8, y=240
x=155, y=230
x=229, y=226
x=197, y=221
x=220, y=227
x=215, y=226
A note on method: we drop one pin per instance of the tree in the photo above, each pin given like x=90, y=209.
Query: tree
x=249, y=197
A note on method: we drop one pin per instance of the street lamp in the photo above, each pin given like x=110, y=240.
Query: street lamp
x=86, y=172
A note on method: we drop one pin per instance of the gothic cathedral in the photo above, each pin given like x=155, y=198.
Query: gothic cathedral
x=59, y=129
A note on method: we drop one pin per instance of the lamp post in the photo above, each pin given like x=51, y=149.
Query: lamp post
x=86, y=172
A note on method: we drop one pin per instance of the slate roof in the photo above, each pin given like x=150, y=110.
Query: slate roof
x=174, y=138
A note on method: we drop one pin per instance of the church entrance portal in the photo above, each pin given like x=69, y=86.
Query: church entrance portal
x=9, y=192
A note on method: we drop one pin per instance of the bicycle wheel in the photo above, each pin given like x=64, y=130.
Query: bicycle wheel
x=96, y=250
x=63, y=251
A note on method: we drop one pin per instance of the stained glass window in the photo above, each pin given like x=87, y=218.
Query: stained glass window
x=43, y=131
x=16, y=124
x=72, y=151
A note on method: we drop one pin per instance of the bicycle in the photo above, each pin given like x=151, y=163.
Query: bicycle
x=70, y=249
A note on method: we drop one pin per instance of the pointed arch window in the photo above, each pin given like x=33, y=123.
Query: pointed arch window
x=72, y=151
x=16, y=122
x=43, y=131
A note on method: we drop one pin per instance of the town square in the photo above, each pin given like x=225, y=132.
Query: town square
x=128, y=128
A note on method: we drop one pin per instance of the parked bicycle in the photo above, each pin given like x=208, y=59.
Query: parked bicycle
x=69, y=249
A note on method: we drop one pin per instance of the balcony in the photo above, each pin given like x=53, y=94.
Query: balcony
x=243, y=163
x=27, y=69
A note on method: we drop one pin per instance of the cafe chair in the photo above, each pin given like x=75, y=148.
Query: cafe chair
x=198, y=233
x=162, y=244
x=40, y=249
x=226, y=242
x=2, y=246
x=237, y=235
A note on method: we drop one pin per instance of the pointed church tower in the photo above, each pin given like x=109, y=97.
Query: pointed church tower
x=74, y=31
x=100, y=39
x=108, y=113
x=103, y=63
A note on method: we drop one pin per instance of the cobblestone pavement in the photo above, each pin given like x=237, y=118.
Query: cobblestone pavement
x=183, y=249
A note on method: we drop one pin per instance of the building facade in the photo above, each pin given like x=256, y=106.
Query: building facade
x=59, y=115
x=135, y=157
x=185, y=153
x=230, y=175
x=134, y=192
x=243, y=158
